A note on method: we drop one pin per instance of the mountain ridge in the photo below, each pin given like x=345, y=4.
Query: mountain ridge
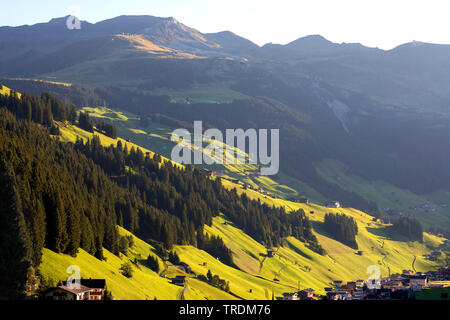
x=138, y=23
x=356, y=96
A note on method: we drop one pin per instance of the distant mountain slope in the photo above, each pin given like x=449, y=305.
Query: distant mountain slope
x=412, y=74
x=382, y=113
x=318, y=136
x=232, y=43
x=46, y=43
x=66, y=224
x=293, y=261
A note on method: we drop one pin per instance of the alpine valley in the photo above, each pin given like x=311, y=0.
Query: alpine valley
x=87, y=180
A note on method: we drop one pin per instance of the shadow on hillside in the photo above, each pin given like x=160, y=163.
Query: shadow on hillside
x=318, y=227
x=297, y=250
x=387, y=233
x=251, y=254
x=228, y=222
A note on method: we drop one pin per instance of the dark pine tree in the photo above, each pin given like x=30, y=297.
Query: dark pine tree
x=15, y=246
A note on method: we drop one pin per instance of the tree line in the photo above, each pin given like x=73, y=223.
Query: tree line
x=342, y=228
x=244, y=113
x=41, y=109
x=65, y=196
x=61, y=200
x=408, y=227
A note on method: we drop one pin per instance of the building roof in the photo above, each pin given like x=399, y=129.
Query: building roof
x=91, y=283
x=289, y=294
x=75, y=290
x=419, y=277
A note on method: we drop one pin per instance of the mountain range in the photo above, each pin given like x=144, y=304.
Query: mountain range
x=415, y=71
x=382, y=115
x=86, y=119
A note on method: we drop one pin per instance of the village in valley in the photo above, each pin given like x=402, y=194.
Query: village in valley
x=432, y=285
x=409, y=285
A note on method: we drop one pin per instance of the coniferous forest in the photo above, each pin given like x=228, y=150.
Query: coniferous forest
x=66, y=196
x=342, y=228
x=409, y=227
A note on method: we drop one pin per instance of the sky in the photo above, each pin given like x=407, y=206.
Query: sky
x=381, y=23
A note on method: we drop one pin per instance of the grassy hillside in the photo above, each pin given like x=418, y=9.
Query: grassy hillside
x=258, y=275
x=202, y=94
x=294, y=263
x=41, y=80
x=145, y=284
x=430, y=210
x=7, y=91
x=156, y=137
x=293, y=266
x=69, y=133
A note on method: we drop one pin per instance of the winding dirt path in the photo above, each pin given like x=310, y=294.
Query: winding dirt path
x=183, y=292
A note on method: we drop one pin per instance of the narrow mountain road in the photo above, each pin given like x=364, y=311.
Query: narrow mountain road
x=382, y=260
x=414, y=261
x=162, y=274
x=183, y=292
x=261, y=264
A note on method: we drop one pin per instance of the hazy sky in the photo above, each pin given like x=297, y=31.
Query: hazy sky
x=380, y=23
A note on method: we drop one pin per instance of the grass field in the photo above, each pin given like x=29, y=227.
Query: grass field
x=202, y=94
x=7, y=91
x=156, y=137
x=295, y=264
x=42, y=80
x=70, y=133
x=389, y=196
x=257, y=275
x=145, y=284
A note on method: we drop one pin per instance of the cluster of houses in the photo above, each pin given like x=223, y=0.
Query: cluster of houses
x=84, y=289
x=443, y=274
x=393, y=212
x=397, y=287
x=402, y=286
x=353, y=290
x=305, y=294
x=328, y=204
x=260, y=190
x=333, y=204
x=433, y=256
x=427, y=207
x=213, y=173
x=300, y=200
